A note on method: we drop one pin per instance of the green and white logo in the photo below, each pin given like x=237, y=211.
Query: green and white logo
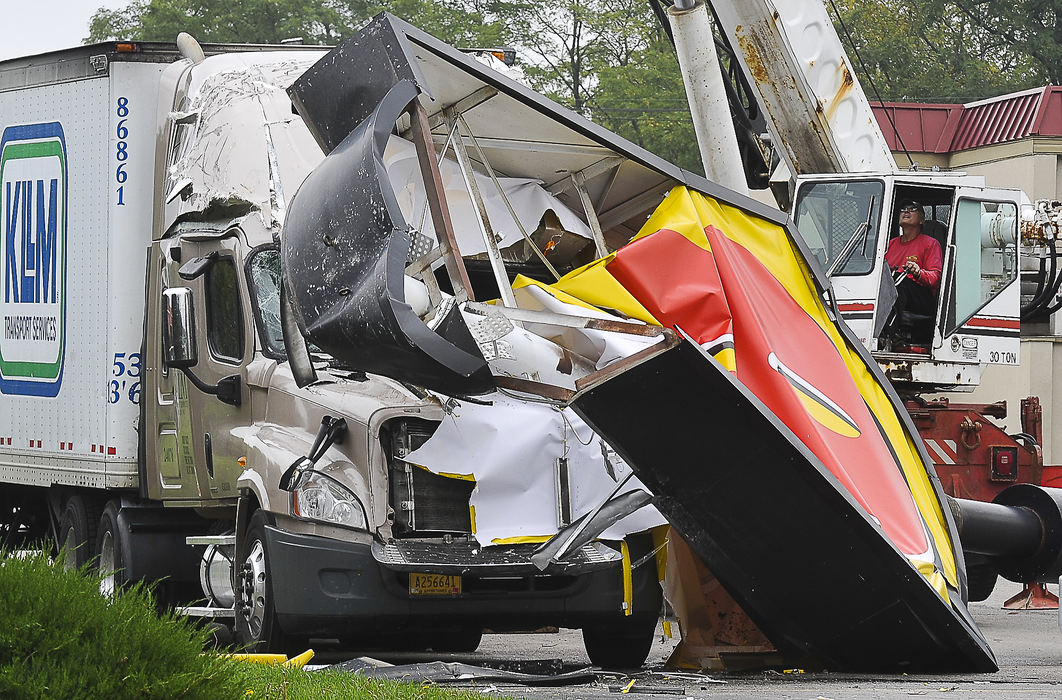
x=33, y=190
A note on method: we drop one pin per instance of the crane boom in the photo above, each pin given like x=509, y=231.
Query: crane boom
x=818, y=115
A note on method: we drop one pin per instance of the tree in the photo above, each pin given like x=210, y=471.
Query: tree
x=559, y=39
x=1031, y=29
x=272, y=21
x=931, y=51
x=638, y=91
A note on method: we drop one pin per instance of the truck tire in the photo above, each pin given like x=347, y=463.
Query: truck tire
x=461, y=640
x=77, y=531
x=256, y=627
x=980, y=582
x=110, y=543
x=623, y=644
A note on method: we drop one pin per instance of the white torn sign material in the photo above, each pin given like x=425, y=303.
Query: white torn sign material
x=512, y=448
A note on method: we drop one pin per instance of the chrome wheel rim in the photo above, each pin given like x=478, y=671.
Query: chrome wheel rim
x=255, y=588
x=107, y=564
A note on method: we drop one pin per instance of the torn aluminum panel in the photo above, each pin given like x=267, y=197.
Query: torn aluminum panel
x=512, y=449
x=345, y=248
x=342, y=304
x=218, y=164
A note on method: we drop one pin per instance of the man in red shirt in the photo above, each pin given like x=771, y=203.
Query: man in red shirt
x=920, y=257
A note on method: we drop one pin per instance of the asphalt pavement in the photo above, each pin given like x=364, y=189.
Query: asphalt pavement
x=1027, y=644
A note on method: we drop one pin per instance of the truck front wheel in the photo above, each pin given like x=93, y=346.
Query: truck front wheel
x=623, y=644
x=256, y=624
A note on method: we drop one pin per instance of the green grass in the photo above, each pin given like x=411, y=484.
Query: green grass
x=277, y=683
x=59, y=638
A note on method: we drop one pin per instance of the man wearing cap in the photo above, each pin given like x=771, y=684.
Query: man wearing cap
x=920, y=257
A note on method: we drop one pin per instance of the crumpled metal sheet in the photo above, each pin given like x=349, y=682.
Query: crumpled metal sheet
x=235, y=104
x=511, y=448
x=449, y=672
x=345, y=246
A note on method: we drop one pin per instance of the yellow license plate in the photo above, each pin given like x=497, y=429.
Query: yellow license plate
x=434, y=584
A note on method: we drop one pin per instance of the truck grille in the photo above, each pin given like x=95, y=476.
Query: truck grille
x=425, y=503
x=471, y=559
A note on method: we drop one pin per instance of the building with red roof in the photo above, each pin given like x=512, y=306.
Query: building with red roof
x=1013, y=140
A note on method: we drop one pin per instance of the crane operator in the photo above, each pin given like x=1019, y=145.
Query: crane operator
x=919, y=258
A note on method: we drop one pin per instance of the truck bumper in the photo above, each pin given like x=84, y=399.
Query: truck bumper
x=329, y=588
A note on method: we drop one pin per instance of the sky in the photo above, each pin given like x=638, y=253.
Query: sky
x=34, y=26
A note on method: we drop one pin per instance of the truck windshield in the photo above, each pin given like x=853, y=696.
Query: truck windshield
x=839, y=222
x=263, y=271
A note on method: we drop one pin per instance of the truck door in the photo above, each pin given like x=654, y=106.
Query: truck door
x=194, y=454
x=226, y=346
x=169, y=445
x=978, y=314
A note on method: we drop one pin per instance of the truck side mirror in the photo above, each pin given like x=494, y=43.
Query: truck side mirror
x=196, y=266
x=178, y=329
x=179, y=349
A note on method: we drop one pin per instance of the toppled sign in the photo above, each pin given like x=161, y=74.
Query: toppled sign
x=701, y=352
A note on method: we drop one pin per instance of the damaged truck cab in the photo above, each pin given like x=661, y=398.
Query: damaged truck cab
x=337, y=535
x=197, y=439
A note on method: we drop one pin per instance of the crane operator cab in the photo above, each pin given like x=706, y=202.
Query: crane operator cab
x=963, y=319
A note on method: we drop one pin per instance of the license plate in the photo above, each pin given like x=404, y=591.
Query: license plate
x=434, y=584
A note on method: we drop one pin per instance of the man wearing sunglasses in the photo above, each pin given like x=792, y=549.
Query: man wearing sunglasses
x=916, y=261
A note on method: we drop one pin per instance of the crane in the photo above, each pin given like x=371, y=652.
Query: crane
x=839, y=181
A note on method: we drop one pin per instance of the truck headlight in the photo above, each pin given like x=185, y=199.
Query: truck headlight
x=320, y=497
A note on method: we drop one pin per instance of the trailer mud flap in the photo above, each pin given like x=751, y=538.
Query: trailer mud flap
x=805, y=561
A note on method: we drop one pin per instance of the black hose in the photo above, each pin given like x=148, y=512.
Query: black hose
x=1044, y=295
x=1053, y=308
x=1044, y=311
x=1040, y=284
x=1056, y=279
x=1026, y=438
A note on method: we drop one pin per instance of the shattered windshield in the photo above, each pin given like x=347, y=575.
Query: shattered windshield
x=263, y=270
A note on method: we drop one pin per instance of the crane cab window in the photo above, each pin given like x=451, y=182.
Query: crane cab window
x=839, y=222
x=223, y=311
x=986, y=256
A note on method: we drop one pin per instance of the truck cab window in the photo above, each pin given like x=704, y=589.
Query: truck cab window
x=224, y=315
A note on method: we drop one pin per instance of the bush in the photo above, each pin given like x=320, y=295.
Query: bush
x=60, y=638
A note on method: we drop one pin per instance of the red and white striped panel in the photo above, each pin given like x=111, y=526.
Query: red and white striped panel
x=942, y=451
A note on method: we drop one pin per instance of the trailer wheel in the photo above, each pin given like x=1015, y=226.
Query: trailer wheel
x=110, y=545
x=624, y=644
x=77, y=531
x=256, y=622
